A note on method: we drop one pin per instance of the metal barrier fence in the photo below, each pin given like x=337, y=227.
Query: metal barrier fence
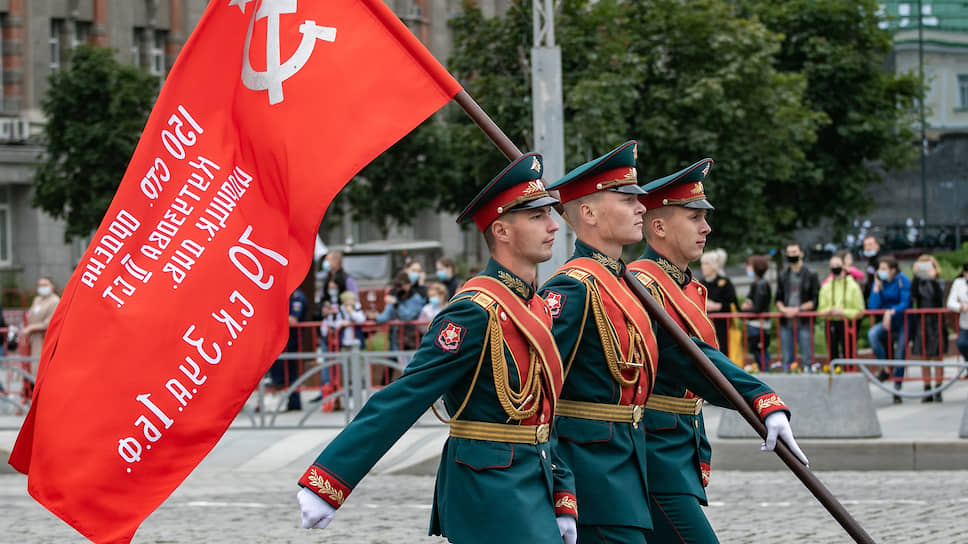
x=926, y=332
x=344, y=365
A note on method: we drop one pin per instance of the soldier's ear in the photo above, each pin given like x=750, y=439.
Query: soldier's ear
x=500, y=231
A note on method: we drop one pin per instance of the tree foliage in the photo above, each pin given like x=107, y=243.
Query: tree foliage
x=791, y=99
x=95, y=112
x=840, y=50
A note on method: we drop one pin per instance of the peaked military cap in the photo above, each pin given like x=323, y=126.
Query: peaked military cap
x=517, y=187
x=613, y=171
x=684, y=188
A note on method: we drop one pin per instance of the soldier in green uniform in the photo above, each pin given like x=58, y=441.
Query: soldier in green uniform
x=678, y=452
x=606, y=341
x=490, y=354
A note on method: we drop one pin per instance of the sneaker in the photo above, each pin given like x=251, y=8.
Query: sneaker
x=937, y=397
x=882, y=376
x=897, y=399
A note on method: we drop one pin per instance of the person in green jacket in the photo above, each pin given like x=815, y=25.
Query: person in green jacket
x=842, y=298
x=677, y=448
x=490, y=354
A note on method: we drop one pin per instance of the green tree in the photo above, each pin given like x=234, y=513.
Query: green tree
x=687, y=80
x=401, y=182
x=838, y=46
x=95, y=112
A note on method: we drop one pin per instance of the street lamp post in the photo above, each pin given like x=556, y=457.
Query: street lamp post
x=924, y=141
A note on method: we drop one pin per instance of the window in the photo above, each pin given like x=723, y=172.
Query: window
x=54, y=43
x=137, y=38
x=5, y=224
x=82, y=32
x=963, y=91
x=157, y=53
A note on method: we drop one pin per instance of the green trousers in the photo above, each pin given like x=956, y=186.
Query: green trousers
x=610, y=534
x=679, y=519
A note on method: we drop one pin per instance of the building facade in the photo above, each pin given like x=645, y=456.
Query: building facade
x=933, y=195
x=37, y=38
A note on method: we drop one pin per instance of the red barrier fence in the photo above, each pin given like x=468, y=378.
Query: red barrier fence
x=927, y=332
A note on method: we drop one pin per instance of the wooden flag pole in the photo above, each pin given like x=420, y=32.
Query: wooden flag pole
x=826, y=498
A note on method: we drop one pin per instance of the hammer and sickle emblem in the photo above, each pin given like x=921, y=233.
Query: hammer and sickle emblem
x=276, y=70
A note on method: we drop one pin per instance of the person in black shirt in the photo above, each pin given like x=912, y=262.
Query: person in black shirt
x=758, y=301
x=721, y=294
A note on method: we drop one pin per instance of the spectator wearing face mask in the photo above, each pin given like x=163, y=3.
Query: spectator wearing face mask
x=436, y=300
x=929, y=333
x=891, y=292
x=403, y=303
x=841, y=297
x=797, y=290
x=447, y=274
x=415, y=274
x=848, y=263
x=38, y=318
x=334, y=274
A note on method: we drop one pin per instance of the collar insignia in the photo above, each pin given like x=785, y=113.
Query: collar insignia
x=672, y=270
x=536, y=165
x=607, y=262
x=513, y=283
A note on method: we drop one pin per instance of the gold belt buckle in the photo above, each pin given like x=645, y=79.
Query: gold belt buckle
x=542, y=433
x=637, y=413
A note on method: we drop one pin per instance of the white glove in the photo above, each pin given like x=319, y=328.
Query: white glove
x=316, y=513
x=777, y=424
x=568, y=529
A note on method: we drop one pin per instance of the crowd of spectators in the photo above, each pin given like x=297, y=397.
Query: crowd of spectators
x=408, y=304
x=801, y=308
x=906, y=315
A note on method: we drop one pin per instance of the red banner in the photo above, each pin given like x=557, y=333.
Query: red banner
x=179, y=305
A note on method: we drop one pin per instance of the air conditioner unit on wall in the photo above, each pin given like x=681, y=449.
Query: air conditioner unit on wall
x=20, y=130
x=6, y=130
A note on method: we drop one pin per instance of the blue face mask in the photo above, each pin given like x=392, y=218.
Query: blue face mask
x=750, y=274
x=443, y=275
x=435, y=301
x=883, y=275
x=326, y=266
x=414, y=276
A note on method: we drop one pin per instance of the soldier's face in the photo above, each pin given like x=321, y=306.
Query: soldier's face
x=533, y=233
x=687, y=229
x=620, y=217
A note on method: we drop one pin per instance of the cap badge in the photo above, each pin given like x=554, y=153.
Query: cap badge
x=697, y=189
x=535, y=164
x=705, y=170
x=534, y=187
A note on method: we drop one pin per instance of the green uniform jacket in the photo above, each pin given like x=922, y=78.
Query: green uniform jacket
x=485, y=491
x=678, y=450
x=608, y=459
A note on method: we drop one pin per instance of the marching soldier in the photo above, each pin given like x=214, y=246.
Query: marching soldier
x=605, y=339
x=678, y=452
x=491, y=355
